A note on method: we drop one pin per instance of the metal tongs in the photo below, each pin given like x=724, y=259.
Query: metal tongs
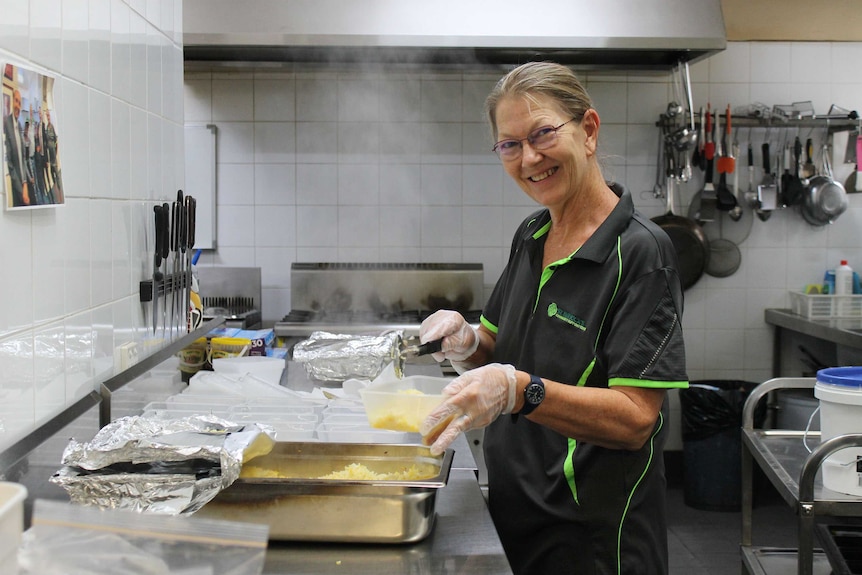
x=426, y=348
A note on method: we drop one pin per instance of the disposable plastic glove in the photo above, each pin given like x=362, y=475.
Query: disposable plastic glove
x=475, y=399
x=460, y=340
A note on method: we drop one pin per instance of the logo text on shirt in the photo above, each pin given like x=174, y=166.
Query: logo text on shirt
x=571, y=319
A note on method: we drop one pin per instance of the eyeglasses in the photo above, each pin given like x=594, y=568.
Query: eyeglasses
x=539, y=139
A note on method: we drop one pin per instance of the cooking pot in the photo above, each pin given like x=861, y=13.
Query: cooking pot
x=823, y=201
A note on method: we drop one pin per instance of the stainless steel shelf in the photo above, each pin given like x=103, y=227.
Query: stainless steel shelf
x=794, y=470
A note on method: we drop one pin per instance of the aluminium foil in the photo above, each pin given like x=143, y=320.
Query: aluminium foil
x=337, y=357
x=167, y=466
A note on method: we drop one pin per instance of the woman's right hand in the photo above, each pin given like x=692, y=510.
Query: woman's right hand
x=460, y=339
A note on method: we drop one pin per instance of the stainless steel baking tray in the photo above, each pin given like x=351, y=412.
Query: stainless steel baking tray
x=299, y=506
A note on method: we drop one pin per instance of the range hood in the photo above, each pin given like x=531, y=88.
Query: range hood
x=625, y=34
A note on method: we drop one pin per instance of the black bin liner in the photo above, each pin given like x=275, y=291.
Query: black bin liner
x=712, y=442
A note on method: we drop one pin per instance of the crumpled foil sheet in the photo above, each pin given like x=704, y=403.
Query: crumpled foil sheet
x=337, y=357
x=162, y=466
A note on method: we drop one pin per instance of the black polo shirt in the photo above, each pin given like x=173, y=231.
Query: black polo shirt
x=608, y=315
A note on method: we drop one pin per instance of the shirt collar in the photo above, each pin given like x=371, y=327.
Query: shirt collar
x=603, y=241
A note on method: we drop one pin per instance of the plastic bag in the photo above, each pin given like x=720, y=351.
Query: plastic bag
x=69, y=539
x=713, y=406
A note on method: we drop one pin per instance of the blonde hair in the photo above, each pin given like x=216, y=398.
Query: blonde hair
x=548, y=79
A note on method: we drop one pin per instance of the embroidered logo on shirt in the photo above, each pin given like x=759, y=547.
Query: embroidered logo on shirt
x=571, y=319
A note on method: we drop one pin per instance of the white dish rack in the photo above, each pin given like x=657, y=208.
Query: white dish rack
x=818, y=306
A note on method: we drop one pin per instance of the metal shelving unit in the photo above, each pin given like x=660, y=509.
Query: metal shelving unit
x=793, y=472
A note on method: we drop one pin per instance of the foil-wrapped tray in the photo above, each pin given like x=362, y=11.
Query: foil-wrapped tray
x=337, y=357
x=299, y=505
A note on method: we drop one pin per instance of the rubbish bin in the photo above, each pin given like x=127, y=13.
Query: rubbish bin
x=712, y=442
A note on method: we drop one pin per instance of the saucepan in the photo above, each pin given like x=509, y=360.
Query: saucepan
x=824, y=198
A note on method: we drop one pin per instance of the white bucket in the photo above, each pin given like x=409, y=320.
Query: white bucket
x=839, y=390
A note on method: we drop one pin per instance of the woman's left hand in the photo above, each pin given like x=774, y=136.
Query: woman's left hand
x=475, y=399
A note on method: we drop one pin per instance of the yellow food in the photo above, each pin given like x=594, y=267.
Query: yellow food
x=396, y=421
x=359, y=471
x=397, y=418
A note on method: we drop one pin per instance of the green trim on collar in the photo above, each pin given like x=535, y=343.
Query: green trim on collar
x=631, y=382
x=490, y=326
x=541, y=231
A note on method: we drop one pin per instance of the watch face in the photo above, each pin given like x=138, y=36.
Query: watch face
x=534, y=393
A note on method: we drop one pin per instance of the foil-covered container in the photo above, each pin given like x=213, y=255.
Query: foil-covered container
x=162, y=466
x=337, y=357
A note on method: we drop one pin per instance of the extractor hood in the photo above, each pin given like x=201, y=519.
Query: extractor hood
x=625, y=34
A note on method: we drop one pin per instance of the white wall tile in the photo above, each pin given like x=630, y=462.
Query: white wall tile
x=358, y=226
x=317, y=100
x=75, y=41
x=138, y=57
x=358, y=100
x=74, y=140
x=358, y=184
x=235, y=142
x=400, y=184
x=316, y=184
x=400, y=100
x=274, y=100
x=441, y=142
x=49, y=381
x=482, y=185
x=77, y=255
x=233, y=100
x=197, y=100
x=770, y=62
x=121, y=249
x=155, y=191
x=733, y=65
x=401, y=227
x=317, y=226
x=101, y=146
x=138, y=167
x=399, y=142
x=441, y=226
x=235, y=227
x=45, y=32
x=48, y=265
x=441, y=101
x=482, y=226
x=99, y=36
x=100, y=256
x=16, y=254
x=14, y=28
x=235, y=185
x=611, y=101
x=275, y=226
x=358, y=142
x=154, y=69
x=274, y=184
x=316, y=142
x=441, y=185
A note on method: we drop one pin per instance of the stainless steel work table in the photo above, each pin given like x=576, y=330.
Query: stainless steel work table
x=841, y=331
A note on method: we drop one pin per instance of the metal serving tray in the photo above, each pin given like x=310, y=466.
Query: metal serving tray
x=298, y=506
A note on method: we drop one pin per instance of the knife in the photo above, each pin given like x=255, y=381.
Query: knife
x=166, y=247
x=157, y=263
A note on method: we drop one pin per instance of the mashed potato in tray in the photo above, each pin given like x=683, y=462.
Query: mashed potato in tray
x=352, y=471
x=359, y=471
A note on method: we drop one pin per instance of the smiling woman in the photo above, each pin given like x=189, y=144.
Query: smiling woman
x=579, y=340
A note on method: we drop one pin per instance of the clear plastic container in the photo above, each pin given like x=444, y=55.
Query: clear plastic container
x=402, y=405
x=12, y=496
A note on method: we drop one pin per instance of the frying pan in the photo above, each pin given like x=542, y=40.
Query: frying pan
x=689, y=241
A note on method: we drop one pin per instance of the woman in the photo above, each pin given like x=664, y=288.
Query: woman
x=579, y=341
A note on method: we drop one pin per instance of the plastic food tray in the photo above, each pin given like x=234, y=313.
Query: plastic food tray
x=818, y=306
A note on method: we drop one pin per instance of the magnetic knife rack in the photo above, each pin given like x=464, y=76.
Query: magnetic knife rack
x=174, y=282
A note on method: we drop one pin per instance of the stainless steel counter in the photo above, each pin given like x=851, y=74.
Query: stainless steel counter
x=463, y=541
x=841, y=331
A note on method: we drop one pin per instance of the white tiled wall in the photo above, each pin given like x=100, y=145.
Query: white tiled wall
x=71, y=273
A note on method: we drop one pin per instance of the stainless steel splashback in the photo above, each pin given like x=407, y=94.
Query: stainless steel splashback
x=385, y=287
x=230, y=282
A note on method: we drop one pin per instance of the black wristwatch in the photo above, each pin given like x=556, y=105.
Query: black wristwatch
x=534, y=394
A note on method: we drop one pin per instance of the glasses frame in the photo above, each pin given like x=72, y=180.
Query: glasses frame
x=530, y=137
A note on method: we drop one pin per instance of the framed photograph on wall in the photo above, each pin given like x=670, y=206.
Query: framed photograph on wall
x=32, y=174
